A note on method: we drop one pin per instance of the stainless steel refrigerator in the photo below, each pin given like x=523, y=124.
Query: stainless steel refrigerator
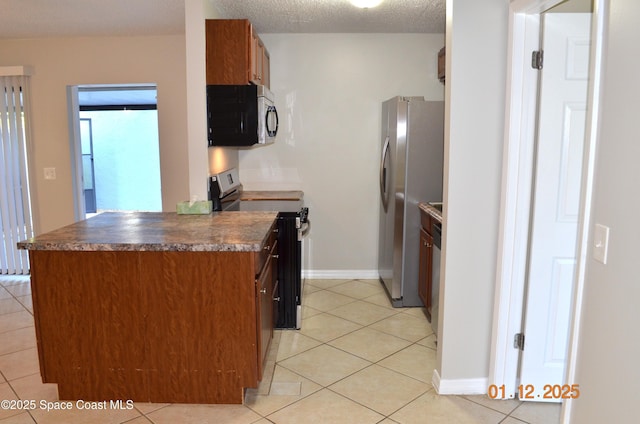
x=411, y=164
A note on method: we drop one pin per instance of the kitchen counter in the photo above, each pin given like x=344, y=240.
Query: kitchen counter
x=157, y=231
x=272, y=195
x=155, y=307
x=431, y=211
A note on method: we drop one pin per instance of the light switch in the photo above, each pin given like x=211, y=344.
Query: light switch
x=49, y=173
x=600, y=243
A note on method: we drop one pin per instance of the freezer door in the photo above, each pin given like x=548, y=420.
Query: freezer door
x=392, y=160
x=410, y=172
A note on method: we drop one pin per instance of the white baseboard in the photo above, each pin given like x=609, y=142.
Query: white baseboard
x=464, y=386
x=435, y=380
x=340, y=274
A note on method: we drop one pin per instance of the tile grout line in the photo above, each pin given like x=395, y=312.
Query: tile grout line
x=362, y=326
x=371, y=363
x=412, y=343
x=329, y=388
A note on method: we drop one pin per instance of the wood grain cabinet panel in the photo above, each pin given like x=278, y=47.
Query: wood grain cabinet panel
x=235, y=54
x=425, y=267
x=185, y=327
x=442, y=65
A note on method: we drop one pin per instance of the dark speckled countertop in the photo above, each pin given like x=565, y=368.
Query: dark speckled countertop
x=160, y=231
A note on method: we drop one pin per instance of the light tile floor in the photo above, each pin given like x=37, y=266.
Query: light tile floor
x=355, y=360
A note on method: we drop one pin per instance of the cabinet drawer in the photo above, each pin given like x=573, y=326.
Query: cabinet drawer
x=269, y=248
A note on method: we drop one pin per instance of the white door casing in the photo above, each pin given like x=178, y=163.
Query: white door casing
x=73, y=104
x=556, y=204
x=516, y=187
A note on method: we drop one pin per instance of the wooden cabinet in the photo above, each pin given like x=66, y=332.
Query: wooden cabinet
x=154, y=326
x=430, y=223
x=260, y=61
x=441, y=64
x=426, y=261
x=424, y=273
x=266, y=282
x=235, y=54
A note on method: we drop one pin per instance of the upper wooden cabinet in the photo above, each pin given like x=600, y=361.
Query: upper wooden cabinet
x=235, y=53
x=259, y=61
x=441, y=64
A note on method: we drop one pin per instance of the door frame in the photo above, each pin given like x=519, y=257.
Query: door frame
x=75, y=148
x=517, y=179
x=75, y=145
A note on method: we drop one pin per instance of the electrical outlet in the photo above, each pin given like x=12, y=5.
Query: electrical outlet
x=600, y=243
x=49, y=173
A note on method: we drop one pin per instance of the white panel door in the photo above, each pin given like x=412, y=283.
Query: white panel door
x=561, y=131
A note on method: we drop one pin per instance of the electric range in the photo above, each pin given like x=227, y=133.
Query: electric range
x=227, y=194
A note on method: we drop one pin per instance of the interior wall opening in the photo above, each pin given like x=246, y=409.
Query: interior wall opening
x=116, y=148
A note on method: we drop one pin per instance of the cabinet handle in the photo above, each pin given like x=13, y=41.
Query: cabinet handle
x=276, y=299
x=275, y=256
x=275, y=230
x=267, y=248
x=263, y=291
x=427, y=244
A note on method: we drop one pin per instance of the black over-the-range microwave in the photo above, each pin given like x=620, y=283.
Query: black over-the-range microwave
x=240, y=115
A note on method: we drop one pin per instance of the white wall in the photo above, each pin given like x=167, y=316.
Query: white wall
x=60, y=62
x=608, y=369
x=329, y=89
x=202, y=160
x=126, y=159
x=474, y=125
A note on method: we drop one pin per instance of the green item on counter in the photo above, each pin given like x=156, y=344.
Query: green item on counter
x=200, y=207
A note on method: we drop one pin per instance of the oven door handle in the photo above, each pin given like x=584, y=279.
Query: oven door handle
x=304, y=229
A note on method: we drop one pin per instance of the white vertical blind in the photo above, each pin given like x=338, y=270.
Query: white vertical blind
x=15, y=203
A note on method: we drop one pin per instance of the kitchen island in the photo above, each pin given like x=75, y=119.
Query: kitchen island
x=155, y=307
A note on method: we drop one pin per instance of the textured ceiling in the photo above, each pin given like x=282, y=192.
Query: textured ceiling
x=58, y=18
x=337, y=16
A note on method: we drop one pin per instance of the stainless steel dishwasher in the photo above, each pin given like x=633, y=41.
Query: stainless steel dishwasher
x=436, y=232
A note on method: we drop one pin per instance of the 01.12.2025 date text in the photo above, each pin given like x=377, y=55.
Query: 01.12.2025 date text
x=528, y=391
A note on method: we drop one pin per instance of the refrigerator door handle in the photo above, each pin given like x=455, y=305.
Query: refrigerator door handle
x=384, y=195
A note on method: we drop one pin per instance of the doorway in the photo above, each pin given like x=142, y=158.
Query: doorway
x=558, y=156
x=115, y=149
x=518, y=188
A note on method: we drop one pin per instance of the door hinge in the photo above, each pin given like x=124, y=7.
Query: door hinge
x=518, y=341
x=537, y=58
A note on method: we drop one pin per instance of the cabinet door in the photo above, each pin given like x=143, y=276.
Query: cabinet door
x=254, y=68
x=265, y=285
x=257, y=61
x=266, y=68
x=228, y=51
x=424, y=274
x=441, y=64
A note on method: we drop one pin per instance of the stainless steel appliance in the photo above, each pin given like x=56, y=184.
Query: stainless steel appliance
x=241, y=115
x=227, y=193
x=410, y=172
